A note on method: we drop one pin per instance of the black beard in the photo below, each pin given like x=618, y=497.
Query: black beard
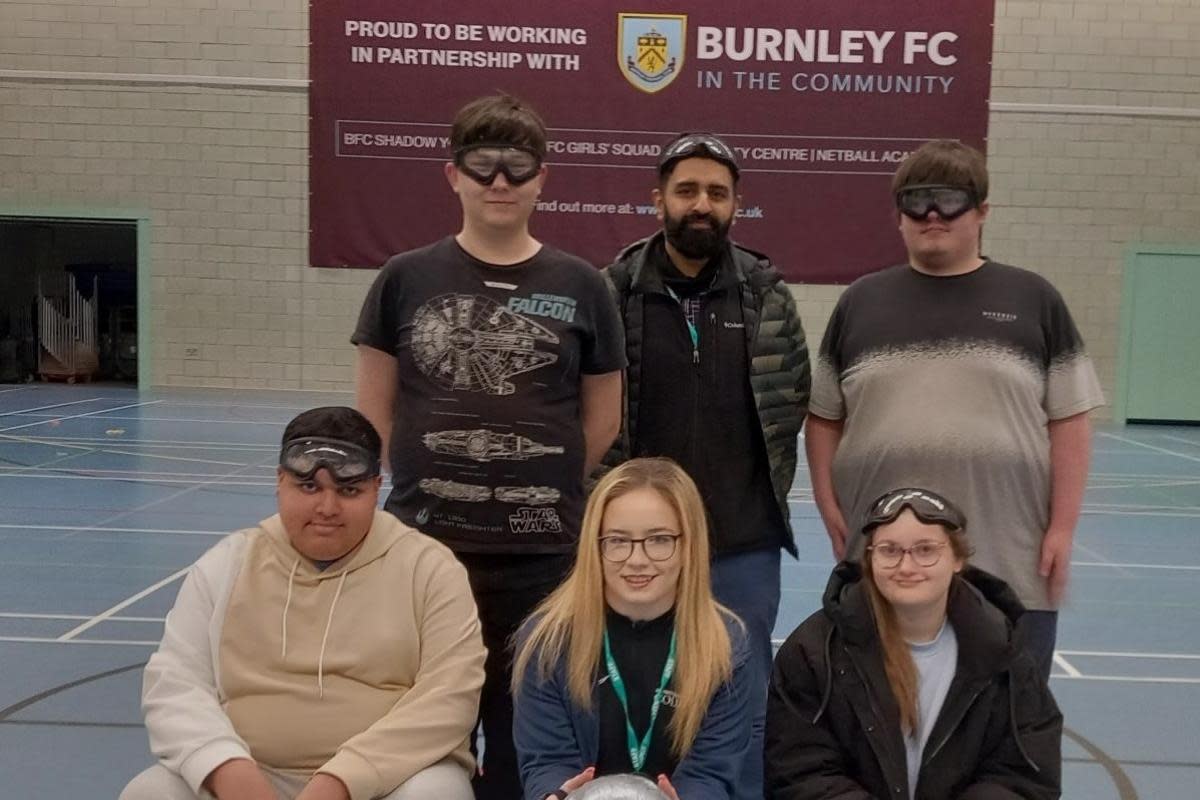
x=696, y=243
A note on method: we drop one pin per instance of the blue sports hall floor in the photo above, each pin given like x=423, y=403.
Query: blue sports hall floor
x=107, y=495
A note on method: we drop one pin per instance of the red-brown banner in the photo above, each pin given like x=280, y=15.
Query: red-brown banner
x=820, y=100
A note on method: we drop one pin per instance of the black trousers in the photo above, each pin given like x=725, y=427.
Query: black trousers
x=506, y=588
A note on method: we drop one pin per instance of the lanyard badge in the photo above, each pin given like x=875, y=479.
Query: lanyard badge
x=638, y=749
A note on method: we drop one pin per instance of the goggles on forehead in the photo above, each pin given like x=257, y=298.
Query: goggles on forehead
x=950, y=202
x=930, y=508
x=483, y=161
x=345, y=461
x=704, y=145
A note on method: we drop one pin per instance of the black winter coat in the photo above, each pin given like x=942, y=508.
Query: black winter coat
x=780, y=377
x=833, y=726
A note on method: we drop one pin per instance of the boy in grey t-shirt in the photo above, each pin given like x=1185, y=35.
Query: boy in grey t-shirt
x=964, y=375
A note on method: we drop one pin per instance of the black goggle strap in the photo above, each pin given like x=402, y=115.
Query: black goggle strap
x=926, y=506
x=345, y=461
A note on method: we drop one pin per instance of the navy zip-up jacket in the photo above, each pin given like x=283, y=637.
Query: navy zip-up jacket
x=556, y=739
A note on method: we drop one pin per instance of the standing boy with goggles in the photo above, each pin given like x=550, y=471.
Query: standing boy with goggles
x=330, y=653
x=962, y=374
x=718, y=381
x=491, y=363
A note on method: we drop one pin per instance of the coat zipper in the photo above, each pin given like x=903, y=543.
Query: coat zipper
x=874, y=710
x=950, y=731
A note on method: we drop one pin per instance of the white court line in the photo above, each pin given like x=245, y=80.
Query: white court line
x=1100, y=559
x=18, y=389
x=173, y=496
x=1066, y=665
x=1140, y=507
x=1122, y=513
x=113, y=451
x=1155, y=448
x=177, y=403
x=1159, y=484
x=1126, y=679
x=123, y=442
x=93, y=472
x=47, y=465
x=40, y=640
x=1134, y=475
x=1192, y=442
x=119, y=479
x=1185, y=567
x=103, y=615
x=1116, y=654
x=44, y=408
x=31, y=615
x=78, y=416
x=94, y=529
x=177, y=419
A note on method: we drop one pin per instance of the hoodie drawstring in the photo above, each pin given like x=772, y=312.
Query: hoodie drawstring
x=287, y=604
x=325, y=637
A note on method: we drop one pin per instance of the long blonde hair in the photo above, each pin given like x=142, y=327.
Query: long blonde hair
x=570, y=622
x=898, y=662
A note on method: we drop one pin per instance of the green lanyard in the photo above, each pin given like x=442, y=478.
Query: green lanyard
x=691, y=326
x=638, y=750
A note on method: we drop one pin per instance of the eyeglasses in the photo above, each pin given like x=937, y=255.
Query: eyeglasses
x=888, y=555
x=483, y=161
x=950, y=202
x=930, y=508
x=698, y=144
x=657, y=547
x=346, y=462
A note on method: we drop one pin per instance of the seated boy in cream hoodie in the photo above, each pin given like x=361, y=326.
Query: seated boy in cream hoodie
x=331, y=653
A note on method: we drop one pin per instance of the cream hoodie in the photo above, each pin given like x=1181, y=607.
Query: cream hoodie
x=369, y=670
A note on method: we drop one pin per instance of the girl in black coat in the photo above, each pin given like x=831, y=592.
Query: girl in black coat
x=908, y=683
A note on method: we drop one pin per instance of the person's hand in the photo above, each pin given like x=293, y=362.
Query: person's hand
x=324, y=786
x=835, y=526
x=1055, y=565
x=572, y=784
x=240, y=779
x=664, y=786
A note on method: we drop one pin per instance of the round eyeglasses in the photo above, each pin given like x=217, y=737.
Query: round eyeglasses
x=888, y=555
x=657, y=547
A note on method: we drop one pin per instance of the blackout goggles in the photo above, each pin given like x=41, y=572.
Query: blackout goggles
x=930, y=508
x=346, y=462
x=950, y=202
x=483, y=161
x=703, y=145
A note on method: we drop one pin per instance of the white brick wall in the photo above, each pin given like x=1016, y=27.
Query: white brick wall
x=222, y=171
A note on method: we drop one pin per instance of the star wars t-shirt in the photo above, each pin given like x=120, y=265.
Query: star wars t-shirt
x=948, y=383
x=487, y=448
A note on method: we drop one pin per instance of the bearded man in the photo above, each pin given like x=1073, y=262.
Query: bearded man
x=718, y=380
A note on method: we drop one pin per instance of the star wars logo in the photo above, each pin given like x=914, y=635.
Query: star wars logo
x=535, y=520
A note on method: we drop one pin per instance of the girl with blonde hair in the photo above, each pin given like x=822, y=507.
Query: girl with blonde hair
x=631, y=665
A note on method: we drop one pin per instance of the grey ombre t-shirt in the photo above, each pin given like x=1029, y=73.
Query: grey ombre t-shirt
x=948, y=383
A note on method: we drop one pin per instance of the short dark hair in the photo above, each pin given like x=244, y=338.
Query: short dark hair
x=944, y=161
x=335, y=422
x=499, y=118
